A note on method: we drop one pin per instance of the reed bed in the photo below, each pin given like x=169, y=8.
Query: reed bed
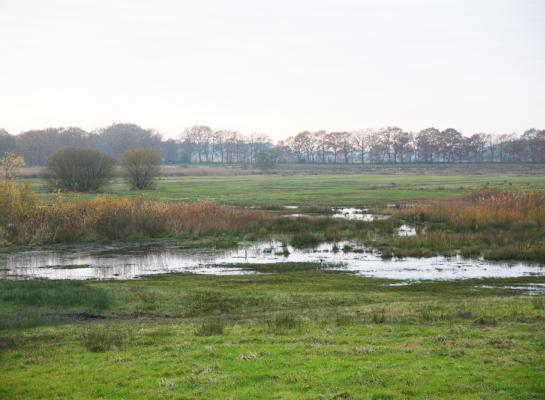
x=499, y=225
x=484, y=209
x=24, y=220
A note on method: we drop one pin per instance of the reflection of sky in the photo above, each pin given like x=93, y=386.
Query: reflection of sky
x=97, y=265
x=278, y=66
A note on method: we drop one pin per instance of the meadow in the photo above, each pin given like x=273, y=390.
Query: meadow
x=289, y=330
x=290, y=335
x=323, y=189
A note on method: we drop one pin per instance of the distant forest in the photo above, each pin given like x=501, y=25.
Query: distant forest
x=202, y=144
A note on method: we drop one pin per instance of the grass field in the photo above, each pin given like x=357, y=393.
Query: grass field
x=294, y=331
x=305, y=334
x=336, y=190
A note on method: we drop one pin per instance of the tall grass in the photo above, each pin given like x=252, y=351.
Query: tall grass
x=499, y=225
x=24, y=220
x=483, y=209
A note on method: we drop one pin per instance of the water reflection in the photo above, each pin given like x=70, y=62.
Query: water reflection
x=343, y=256
x=358, y=214
x=350, y=213
x=406, y=230
x=532, y=289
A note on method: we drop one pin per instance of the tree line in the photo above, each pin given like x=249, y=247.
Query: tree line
x=202, y=144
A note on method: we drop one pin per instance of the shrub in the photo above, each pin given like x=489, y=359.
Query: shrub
x=10, y=164
x=79, y=170
x=142, y=167
x=19, y=213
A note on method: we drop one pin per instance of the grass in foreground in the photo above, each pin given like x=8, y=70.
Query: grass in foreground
x=302, y=334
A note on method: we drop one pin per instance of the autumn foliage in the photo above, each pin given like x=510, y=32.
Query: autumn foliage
x=23, y=219
x=484, y=209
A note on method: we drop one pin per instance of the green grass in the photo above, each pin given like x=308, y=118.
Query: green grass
x=313, y=189
x=290, y=335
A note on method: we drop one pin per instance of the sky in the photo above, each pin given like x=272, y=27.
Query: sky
x=275, y=67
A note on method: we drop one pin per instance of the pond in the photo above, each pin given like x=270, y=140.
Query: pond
x=134, y=262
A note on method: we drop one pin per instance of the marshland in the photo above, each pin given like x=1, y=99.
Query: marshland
x=289, y=199
x=392, y=287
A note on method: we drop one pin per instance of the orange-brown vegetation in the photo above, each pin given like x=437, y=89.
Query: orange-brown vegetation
x=480, y=210
x=24, y=220
x=498, y=225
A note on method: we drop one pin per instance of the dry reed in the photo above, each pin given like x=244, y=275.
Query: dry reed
x=24, y=220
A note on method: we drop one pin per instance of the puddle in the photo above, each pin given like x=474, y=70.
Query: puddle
x=528, y=288
x=351, y=213
x=358, y=214
x=406, y=230
x=152, y=260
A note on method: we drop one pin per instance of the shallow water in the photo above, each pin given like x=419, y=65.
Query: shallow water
x=136, y=262
x=406, y=230
x=351, y=213
x=532, y=289
x=358, y=214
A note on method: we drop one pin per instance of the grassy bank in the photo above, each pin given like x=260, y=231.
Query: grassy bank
x=304, y=334
x=333, y=190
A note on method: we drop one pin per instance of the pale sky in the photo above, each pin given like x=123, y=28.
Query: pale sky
x=277, y=67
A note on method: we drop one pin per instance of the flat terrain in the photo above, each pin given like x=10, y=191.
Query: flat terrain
x=292, y=331
x=284, y=335
x=313, y=189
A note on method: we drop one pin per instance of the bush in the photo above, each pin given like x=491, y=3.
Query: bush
x=10, y=164
x=79, y=170
x=142, y=167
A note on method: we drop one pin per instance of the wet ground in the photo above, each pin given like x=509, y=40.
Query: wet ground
x=134, y=262
x=350, y=213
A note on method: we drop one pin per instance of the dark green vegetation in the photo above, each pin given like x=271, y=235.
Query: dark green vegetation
x=304, y=334
x=79, y=170
x=334, y=190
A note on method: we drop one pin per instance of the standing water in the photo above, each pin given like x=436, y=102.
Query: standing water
x=341, y=256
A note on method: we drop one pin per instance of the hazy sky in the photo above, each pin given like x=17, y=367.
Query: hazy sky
x=277, y=67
